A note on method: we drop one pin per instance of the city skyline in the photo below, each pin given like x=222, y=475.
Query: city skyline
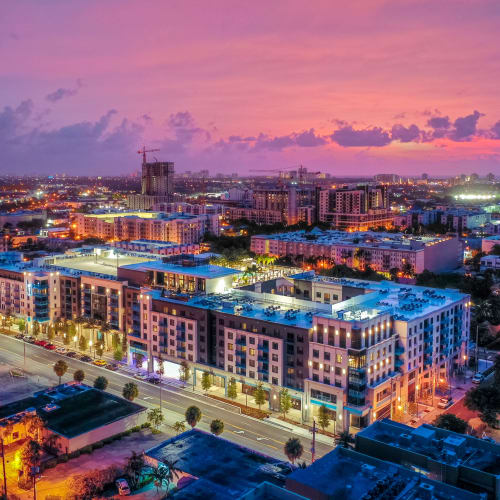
x=404, y=87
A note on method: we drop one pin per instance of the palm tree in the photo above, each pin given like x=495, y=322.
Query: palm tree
x=172, y=471
x=30, y=456
x=78, y=376
x=101, y=383
x=193, y=415
x=105, y=329
x=179, y=426
x=217, y=427
x=155, y=418
x=5, y=432
x=344, y=439
x=293, y=449
x=159, y=476
x=134, y=467
x=130, y=391
x=33, y=426
x=60, y=368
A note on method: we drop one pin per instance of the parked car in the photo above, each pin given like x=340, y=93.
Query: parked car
x=477, y=378
x=141, y=376
x=50, y=347
x=29, y=340
x=72, y=354
x=61, y=350
x=122, y=486
x=20, y=336
x=85, y=358
x=154, y=380
x=99, y=362
x=41, y=343
x=445, y=402
x=112, y=366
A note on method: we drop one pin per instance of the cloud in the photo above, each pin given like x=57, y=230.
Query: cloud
x=405, y=134
x=465, y=126
x=439, y=122
x=495, y=130
x=369, y=137
x=309, y=139
x=62, y=93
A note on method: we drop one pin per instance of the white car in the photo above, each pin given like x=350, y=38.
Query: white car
x=141, y=376
x=477, y=378
x=122, y=486
x=445, y=403
x=61, y=350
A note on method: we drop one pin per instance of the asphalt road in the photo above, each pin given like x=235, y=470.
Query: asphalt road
x=254, y=434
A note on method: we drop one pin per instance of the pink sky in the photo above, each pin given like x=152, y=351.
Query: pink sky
x=234, y=85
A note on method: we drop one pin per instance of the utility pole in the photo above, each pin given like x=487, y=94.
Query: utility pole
x=4, y=471
x=477, y=348
x=313, y=444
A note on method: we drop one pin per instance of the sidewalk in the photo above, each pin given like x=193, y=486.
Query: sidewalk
x=299, y=431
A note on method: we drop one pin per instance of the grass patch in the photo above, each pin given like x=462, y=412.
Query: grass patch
x=245, y=410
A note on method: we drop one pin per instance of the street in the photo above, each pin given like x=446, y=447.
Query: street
x=246, y=431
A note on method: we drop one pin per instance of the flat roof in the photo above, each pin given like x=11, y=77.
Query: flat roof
x=110, y=216
x=74, y=408
x=367, y=239
x=222, y=469
x=476, y=453
x=203, y=271
x=346, y=474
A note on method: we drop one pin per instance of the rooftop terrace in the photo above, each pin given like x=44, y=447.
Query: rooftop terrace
x=202, y=271
x=222, y=469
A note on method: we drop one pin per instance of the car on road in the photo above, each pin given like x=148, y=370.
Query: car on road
x=477, y=378
x=112, y=366
x=50, y=347
x=85, y=358
x=141, y=376
x=29, y=340
x=99, y=362
x=41, y=343
x=72, y=354
x=154, y=380
x=61, y=350
x=20, y=336
x=122, y=486
x=445, y=402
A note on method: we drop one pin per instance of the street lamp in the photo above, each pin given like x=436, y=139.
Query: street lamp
x=90, y=347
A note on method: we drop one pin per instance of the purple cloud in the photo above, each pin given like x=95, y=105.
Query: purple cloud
x=405, y=134
x=370, y=137
x=62, y=93
x=465, y=126
x=309, y=139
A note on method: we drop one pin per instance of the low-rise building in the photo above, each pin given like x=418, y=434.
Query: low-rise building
x=381, y=251
x=490, y=262
x=457, y=459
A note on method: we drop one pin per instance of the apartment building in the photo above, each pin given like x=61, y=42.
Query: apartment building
x=460, y=220
x=356, y=208
x=175, y=228
x=157, y=247
x=188, y=208
x=380, y=251
x=363, y=357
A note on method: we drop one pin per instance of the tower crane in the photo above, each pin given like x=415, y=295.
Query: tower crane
x=143, y=152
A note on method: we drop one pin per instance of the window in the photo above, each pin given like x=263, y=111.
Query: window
x=230, y=347
x=274, y=357
x=315, y=353
x=275, y=345
x=274, y=369
x=252, y=352
x=338, y=358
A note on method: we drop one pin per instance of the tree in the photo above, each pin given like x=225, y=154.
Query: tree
x=101, y=383
x=115, y=340
x=66, y=339
x=285, y=402
x=21, y=324
x=139, y=359
x=71, y=330
x=344, y=439
x=393, y=271
x=30, y=456
x=232, y=391
x=324, y=417
x=482, y=398
x=184, y=371
x=155, y=418
x=130, y=391
x=489, y=417
x=193, y=416
x=33, y=426
x=35, y=329
x=50, y=332
x=450, y=422
x=134, y=467
x=60, y=368
x=217, y=427
x=172, y=471
x=159, y=476
x=79, y=375
x=206, y=383
x=259, y=395
x=5, y=432
x=99, y=350
x=179, y=426
x=293, y=449
x=118, y=354
x=83, y=344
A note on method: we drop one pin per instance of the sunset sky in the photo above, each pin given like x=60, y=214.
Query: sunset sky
x=346, y=87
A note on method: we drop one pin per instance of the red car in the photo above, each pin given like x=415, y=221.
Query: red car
x=49, y=346
x=42, y=343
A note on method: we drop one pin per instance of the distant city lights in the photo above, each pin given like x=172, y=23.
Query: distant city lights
x=474, y=196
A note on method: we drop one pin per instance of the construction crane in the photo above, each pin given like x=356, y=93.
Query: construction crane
x=143, y=152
